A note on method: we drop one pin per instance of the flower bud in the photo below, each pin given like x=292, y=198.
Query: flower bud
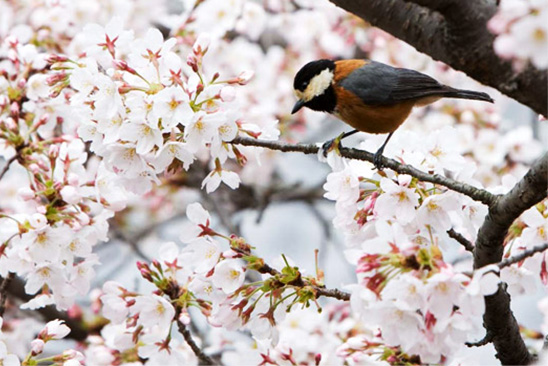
x=245, y=76
x=227, y=94
x=36, y=346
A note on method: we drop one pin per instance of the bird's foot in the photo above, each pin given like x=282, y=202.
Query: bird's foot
x=377, y=160
x=333, y=144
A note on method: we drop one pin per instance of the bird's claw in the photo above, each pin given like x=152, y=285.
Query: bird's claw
x=377, y=160
x=330, y=145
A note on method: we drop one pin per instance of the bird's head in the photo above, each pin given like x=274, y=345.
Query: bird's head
x=313, y=86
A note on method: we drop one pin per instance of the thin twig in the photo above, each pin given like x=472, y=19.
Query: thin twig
x=521, y=256
x=334, y=293
x=475, y=193
x=319, y=290
x=4, y=292
x=7, y=166
x=461, y=239
x=482, y=342
x=204, y=359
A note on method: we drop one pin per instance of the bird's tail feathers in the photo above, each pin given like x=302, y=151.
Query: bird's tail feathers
x=467, y=94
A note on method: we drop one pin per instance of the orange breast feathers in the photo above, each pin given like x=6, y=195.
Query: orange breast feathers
x=370, y=118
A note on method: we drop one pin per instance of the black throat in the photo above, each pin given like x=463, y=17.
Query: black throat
x=325, y=102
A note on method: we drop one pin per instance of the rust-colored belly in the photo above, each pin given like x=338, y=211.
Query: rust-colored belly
x=371, y=118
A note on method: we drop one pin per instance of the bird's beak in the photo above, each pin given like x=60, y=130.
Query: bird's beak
x=297, y=106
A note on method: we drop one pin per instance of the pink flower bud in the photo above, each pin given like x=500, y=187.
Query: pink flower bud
x=14, y=110
x=228, y=94
x=70, y=353
x=122, y=65
x=42, y=120
x=245, y=76
x=34, y=168
x=231, y=254
x=56, y=58
x=75, y=312
x=56, y=78
x=53, y=151
x=36, y=346
x=192, y=61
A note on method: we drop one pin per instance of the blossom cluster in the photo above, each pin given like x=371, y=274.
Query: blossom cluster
x=53, y=330
x=204, y=277
x=146, y=111
x=58, y=211
x=522, y=32
x=396, y=230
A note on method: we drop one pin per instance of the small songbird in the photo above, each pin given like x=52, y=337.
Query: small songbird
x=368, y=95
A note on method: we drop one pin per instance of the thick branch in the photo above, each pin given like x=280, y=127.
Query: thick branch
x=455, y=32
x=476, y=194
x=530, y=190
x=498, y=318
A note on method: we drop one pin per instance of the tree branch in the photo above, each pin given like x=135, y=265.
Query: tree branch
x=455, y=33
x=204, y=359
x=319, y=290
x=334, y=293
x=8, y=164
x=498, y=318
x=461, y=239
x=476, y=194
x=523, y=255
x=4, y=291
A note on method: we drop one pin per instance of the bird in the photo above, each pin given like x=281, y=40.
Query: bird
x=368, y=95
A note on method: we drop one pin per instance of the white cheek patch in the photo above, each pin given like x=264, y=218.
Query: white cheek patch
x=318, y=84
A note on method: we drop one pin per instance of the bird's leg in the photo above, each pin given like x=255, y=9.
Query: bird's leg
x=377, y=159
x=336, y=142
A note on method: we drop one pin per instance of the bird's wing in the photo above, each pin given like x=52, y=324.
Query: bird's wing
x=378, y=84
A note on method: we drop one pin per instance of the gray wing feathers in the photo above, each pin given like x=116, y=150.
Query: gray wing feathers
x=377, y=83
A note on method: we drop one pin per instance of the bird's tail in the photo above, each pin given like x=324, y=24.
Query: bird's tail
x=467, y=94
